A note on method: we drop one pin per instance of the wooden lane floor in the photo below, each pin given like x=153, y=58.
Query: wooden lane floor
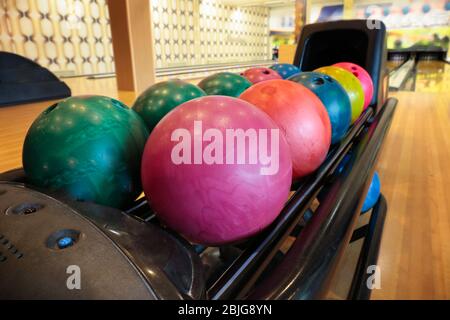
x=414, y=169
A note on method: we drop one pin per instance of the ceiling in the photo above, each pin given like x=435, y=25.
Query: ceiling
x=281, y=3
x=258, y=3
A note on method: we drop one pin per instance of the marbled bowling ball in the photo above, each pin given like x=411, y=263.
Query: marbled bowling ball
x=195, y=182
x=88, y=148
x=224, y=84
x=161, y=98
x=301, y=116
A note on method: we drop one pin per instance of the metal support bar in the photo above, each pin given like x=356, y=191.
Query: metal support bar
x=369, y=252
x=359, y=233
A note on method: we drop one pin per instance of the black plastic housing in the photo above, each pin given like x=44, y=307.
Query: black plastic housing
x=24, y=81
x=359, y=41
x=118, y=256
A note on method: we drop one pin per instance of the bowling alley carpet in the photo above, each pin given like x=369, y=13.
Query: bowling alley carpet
x=414, y=171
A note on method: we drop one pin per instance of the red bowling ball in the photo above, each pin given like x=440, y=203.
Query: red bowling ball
x=300, y=115
x=256, y=75
x=217, y=170
x=363, y=77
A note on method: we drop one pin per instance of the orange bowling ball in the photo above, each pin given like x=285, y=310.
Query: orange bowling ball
x=300, y=115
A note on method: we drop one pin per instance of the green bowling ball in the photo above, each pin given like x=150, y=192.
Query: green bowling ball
x=158, y=100
x=225, y=84
x=88, y=148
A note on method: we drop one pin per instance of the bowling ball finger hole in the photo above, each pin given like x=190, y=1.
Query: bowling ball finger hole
x=63, y=239
x=329, y=79
x=266, y=72
x=318, y=81
x=356, y=74
x=24, y=209
x=354, y=68
x=51, y=108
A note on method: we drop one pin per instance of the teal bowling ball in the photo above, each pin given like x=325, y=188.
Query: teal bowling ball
x=285, y=70
x=225, y=84
x=334, y=98
x=88, y=148
x=158, y=100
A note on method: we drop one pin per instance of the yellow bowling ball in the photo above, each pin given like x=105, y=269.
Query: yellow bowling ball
x=351, y=85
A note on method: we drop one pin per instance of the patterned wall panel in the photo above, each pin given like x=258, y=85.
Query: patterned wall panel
x=198, y=32
x=74, y=37
x=65, y=35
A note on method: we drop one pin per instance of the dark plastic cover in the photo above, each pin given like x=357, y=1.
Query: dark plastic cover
x=118, y=256
x=24, y=81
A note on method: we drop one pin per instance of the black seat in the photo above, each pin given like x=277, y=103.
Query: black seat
x=24, y=81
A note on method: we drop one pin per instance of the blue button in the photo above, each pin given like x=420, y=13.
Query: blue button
x=65, y=242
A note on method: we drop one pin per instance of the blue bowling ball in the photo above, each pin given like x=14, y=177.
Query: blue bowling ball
x=285, y=70
x=373, y=194
x=334, y=98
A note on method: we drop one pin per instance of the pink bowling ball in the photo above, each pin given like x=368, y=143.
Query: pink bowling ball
x=255, y=75
x=364, y=78
x=217, y=170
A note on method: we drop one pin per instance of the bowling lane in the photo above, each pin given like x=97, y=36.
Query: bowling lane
x=414, y=171
x=392, y=64
x=432, y=76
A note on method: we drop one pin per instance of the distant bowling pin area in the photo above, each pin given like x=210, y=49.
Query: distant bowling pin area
x=225, y=150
